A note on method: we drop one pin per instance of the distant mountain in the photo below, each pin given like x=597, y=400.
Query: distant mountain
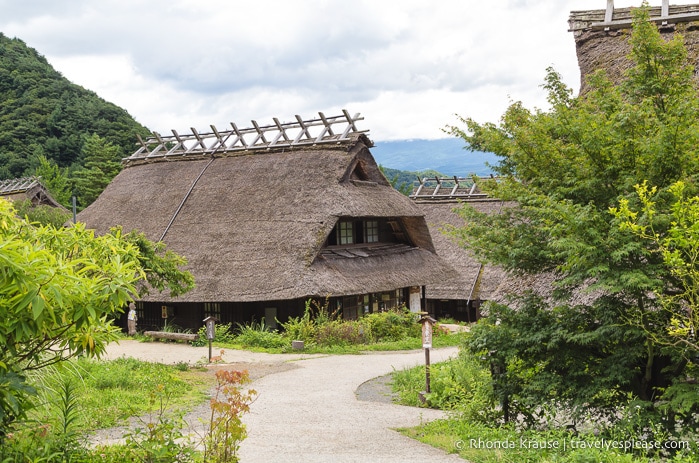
x=445, y=155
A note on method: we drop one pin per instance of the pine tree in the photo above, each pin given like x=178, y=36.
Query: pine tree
x=101, y=165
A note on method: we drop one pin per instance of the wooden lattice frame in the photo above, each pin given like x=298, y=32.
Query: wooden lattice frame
x=18, y=185
x=664, y=19
x=278, y=135
x=447, y=188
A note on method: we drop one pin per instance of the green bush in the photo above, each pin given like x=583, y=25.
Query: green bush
x=340, y=333
x=223, y=333
x=461, y=384
x=259, y=335
x=301, y=328
x=392, y=325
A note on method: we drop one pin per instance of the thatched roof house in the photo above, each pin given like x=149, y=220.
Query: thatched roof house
x=461, y=295
x=271, y=216
x=27, y=188
x=602, y=36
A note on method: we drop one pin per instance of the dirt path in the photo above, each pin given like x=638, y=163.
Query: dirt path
x=309, y=407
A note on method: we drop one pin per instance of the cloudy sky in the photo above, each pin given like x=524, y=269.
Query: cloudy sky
x=407, y=66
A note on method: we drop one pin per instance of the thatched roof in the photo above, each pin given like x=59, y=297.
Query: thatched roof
x=30, y=188
x=473, y=281
x=438, y=198
x=604, y=44
x=254, y=224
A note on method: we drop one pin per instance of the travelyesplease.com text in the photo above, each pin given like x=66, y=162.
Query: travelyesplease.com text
x=570, y=444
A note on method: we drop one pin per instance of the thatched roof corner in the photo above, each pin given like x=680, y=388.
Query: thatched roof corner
x=253, y=226
x=472, y=280
x=30, y=188
x=604, y=44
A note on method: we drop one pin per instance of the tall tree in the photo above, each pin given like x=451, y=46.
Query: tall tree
x=101, y=164
x=590, y=343
x=54, y=179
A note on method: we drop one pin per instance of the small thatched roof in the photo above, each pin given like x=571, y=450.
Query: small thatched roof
x=30, y=188
x=439, y=198
x=602, y=37
x=473, y=281
x=253, y=224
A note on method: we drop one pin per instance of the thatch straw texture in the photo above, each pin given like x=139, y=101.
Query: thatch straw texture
x=470, y=281
x=253, y=227
x=609, y=50
x=30, y=188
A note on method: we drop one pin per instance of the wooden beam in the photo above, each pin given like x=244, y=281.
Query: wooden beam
x=627, y=23
x=609, y=14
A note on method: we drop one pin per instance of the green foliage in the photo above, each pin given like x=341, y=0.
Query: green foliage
x=162, y=267
x=42, y=113
x=223, y=333
x=571, y=356
x=391, y=325
x=159, y=438
x=341, y=333
x=474, y=430
x=259, y=335
x=463, y=385
x=678, y=245
x=592, y=340
x=59, y=290
x=42, y=214
x=404, y=180
x=320, y=327
x=100, y=165
x=55, y=179
x=58, y=286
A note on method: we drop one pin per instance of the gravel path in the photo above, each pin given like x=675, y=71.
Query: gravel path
x=315, y=408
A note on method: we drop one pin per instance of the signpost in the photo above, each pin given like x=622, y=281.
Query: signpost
x=427, y=328
x=210, y=323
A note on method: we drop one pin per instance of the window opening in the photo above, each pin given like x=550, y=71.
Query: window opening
x=371, y=231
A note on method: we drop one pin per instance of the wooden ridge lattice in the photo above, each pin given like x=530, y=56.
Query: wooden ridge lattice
x=441, y=188
x=664, y=19
x=18, y=185
x=322, y=130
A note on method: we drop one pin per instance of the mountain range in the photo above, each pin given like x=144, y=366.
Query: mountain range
x=447, y=156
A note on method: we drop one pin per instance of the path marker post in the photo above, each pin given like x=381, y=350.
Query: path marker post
x=210, y=323
x=427, y=330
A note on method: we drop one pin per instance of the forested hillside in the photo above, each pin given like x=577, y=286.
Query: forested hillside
x=45, y=120
x=404, y=180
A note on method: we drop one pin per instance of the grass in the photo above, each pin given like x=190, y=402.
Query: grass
x=472, y=429
x=120, y=389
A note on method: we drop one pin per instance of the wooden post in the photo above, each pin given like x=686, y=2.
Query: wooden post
x=427, y=370
x=210, y=323
x=609, y=14
x=427, y=324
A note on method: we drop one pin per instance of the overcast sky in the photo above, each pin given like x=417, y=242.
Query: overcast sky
x=407, y=66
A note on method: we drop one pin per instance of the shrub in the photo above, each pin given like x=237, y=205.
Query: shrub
x=303, y=328
x=225, y=429
x=392, y=325
x=222, y=333
x=340, y=333
x=259, y=335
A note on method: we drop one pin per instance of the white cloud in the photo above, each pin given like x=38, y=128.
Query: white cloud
x=406, y=65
